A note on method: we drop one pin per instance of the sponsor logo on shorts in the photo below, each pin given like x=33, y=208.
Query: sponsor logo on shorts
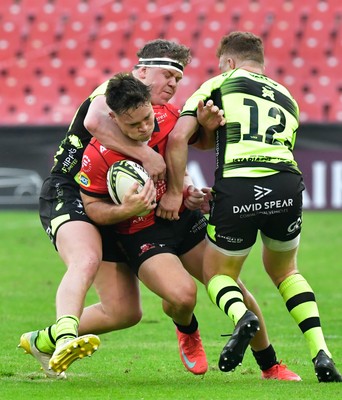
x=199, y=225
x=149, y=246
x=260, y=192
x=295, y=225
x=49, y=233
x=78, y=203
x=267, y=206
x=80, y=212
x=59, y=191
x=230, y=239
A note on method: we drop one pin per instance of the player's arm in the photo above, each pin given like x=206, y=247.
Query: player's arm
x=193, y=197
x=210, y=117
x=208, y=197
x=176, y=159
x=101, y=126
x=104, y=212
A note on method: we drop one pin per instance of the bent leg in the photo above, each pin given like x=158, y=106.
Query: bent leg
x=165, y=275
x=262, y=349
x=260, y=340
x=119, y=307
x=193, y=263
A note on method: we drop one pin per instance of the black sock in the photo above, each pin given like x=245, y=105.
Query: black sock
x=265, y=358
x=189, y=329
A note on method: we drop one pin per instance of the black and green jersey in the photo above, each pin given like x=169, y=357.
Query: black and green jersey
x=262, y=121
x=68, y=159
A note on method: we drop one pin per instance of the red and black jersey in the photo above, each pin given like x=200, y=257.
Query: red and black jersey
x=97, y=159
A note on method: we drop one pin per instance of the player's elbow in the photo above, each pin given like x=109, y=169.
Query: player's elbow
x=91, y=123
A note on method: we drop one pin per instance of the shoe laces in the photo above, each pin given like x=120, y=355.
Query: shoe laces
x=190, y=342
x=280, y=365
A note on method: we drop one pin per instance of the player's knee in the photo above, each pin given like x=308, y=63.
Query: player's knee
x=135, y=317
x=129, y=317
x=85, y=267
x=185, y=299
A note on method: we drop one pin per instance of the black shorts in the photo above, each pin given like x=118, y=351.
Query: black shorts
x=60, y=202
x=242, y=206
x=175, y=237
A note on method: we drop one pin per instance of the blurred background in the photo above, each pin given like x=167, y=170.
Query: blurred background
x=53, y=53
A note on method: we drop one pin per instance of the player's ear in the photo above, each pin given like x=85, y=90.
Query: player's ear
x=142, y=72
x=231, y=62
x=112, y=115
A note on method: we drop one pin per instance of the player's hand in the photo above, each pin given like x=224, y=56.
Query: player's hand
x=208, y=197
x=143, y=202
x=193, y=198
x=155, y=165
x=209, y=115
x=169, y=206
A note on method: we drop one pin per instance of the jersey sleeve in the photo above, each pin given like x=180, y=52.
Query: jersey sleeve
x=205, y=92
x=100, y=90
x=93, y=173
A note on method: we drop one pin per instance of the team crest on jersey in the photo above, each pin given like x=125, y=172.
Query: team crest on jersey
x=268, y=92
x=75, y=141
x=84, y=179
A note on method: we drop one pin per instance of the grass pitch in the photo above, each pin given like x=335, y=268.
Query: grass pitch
x=142, y=362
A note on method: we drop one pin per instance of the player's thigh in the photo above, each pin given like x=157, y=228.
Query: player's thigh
x=165, y=275
x=217, y=261
x=193, y=260
x=78, y=241
x=117, y=287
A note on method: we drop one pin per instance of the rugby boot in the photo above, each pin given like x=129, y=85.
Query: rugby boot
x=325, y=368
x=28, y=343
x=192, y=352
x=72, y=350
x=280, y=372
x=234, y=351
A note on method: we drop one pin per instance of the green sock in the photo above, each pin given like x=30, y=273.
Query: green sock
x=301, y=304
x=226, y=294
x=66, y=328
x=46, y=340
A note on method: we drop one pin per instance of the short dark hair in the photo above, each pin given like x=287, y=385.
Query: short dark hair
x=125, y=92
x=244, y=45
x=166, y=48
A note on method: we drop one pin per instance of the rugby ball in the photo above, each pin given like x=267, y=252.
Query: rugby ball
x=121, y=176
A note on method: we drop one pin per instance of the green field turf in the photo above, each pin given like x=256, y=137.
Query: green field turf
x=143, y=362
